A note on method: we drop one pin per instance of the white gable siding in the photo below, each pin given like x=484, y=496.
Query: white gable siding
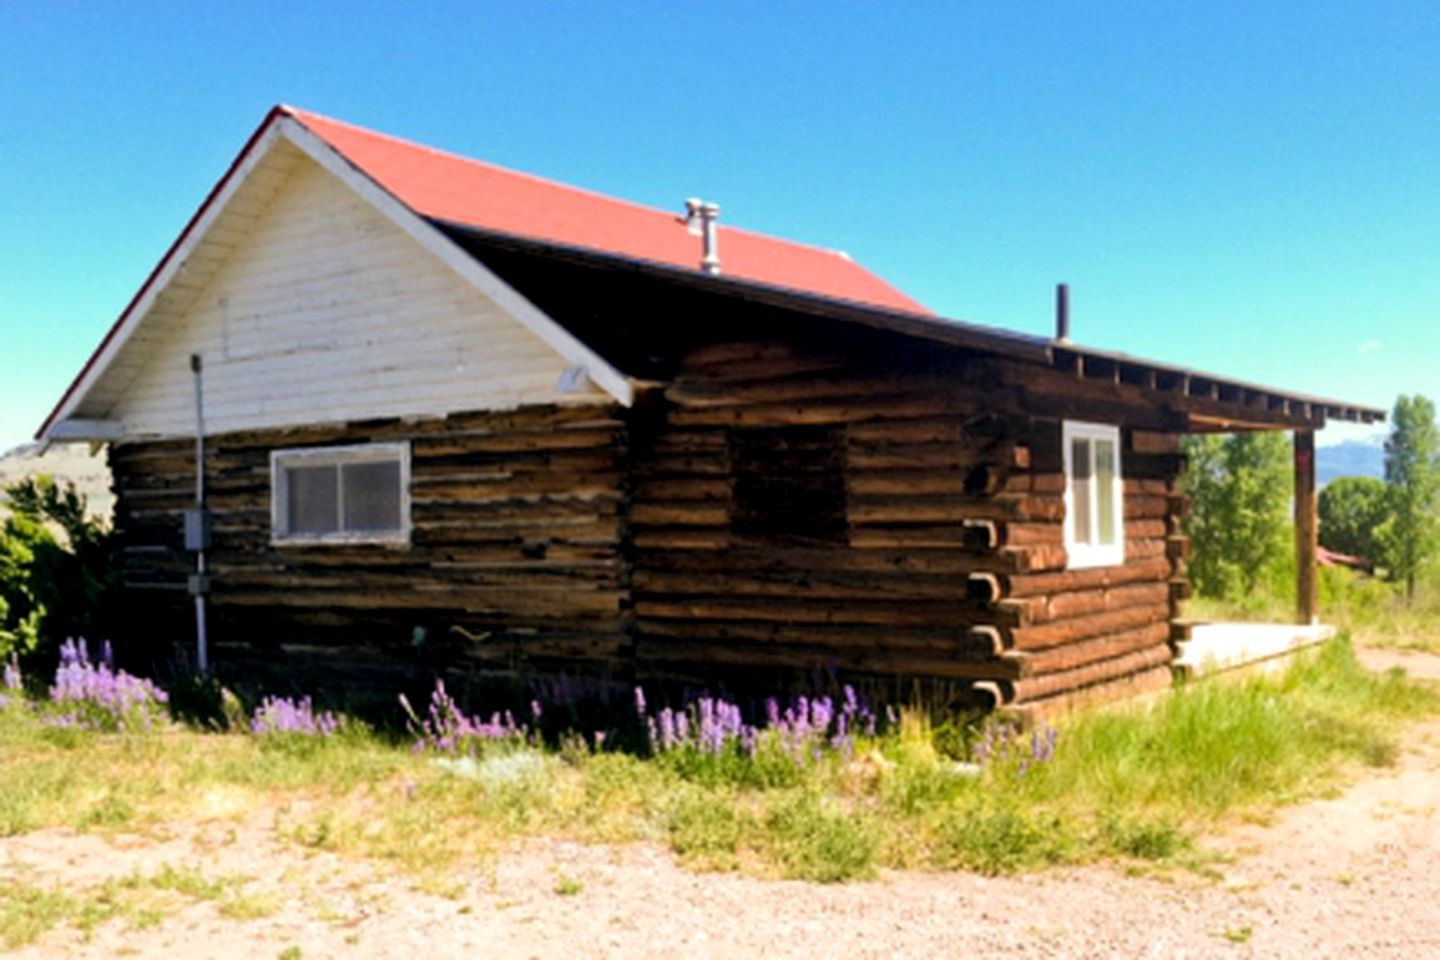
x=325, y=311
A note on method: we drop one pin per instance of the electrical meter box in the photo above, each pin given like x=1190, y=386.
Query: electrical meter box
x=197, y=529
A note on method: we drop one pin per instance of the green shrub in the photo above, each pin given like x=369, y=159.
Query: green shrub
x=769, y=768
x=705, y=830
x=814, y=840
x=991, y=840
x=52, y=588
x=1145, y=838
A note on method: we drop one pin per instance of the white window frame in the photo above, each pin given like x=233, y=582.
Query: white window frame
x=1093, y=554
x=336, y=457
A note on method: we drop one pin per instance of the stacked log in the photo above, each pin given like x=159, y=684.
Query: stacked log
x=1102, y=632
x=946, y=558
x=781, y=506
x=515, y=552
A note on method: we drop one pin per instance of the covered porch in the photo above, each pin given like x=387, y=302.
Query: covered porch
x=1204, y=647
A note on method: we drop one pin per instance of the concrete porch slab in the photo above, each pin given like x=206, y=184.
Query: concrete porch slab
x=1203, y=648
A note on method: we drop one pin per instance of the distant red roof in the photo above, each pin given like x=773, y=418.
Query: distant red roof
x=443, y=186
x=1333, y=558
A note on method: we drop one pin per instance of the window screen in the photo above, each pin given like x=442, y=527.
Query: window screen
x=372, y=495
x=313, y=500
x=341, y=493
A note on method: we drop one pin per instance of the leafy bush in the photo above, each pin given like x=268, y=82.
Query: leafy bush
x=989, y=839
x=202, y=701
x=814, y=839
x=705, y=833
x=50, y=588
x=1142, y=837
x=1353, y=512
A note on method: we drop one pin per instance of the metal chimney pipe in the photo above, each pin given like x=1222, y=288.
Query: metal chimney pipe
x=700, y=217
x=1062, y=312
x=709, y=213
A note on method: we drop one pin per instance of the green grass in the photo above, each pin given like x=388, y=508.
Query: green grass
x=29, y=910
x=1143, y=784
x=813, y=837
x=1373, y=612
x=568, y=886
x=249, y=906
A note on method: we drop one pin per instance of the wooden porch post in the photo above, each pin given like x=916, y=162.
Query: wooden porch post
x=1306, y=529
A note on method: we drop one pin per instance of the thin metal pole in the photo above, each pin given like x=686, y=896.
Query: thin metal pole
x=202, y=652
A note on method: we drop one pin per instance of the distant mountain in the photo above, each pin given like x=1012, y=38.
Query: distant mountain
x=1350, y=458
x=67, y=461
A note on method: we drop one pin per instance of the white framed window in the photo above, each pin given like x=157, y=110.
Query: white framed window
x=353, y=494
x=1094, y=498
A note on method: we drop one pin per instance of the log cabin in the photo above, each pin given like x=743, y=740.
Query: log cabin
x=441, y=408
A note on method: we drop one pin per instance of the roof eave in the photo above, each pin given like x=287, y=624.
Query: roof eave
x=1238, y=404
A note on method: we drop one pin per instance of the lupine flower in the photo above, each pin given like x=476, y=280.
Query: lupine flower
x=280, y=715
x=1000, y=741
x=106, y=698
x=447, y=729
x=14, y=681
x=804, y=728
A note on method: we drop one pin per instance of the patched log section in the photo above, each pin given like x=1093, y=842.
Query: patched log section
x=515, y=556
x=798, y=508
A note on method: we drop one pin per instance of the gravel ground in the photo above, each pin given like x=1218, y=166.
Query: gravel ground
x=1354, y=875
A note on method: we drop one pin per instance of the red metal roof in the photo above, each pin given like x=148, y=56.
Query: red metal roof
x=447, y=187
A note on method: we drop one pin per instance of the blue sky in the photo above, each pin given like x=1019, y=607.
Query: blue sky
x=1247, y=189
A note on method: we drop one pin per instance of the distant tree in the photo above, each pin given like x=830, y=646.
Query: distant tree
x=1412, y=473
x=1353, y=511
x=1240, y=487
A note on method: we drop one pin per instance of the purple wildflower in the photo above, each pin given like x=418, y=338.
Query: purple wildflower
x=281, y=715
x=101, y=697
x=805, y=728
x=447, y=729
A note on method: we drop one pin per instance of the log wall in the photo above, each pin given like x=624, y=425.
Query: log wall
x=942, y=557
x=775, y=508
x=515, y=559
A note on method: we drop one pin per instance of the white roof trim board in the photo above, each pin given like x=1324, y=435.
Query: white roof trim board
x=60, y=427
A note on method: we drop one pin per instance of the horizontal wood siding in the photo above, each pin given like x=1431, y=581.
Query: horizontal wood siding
x=516, y=541
x=949, y=560
x=320, y=310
